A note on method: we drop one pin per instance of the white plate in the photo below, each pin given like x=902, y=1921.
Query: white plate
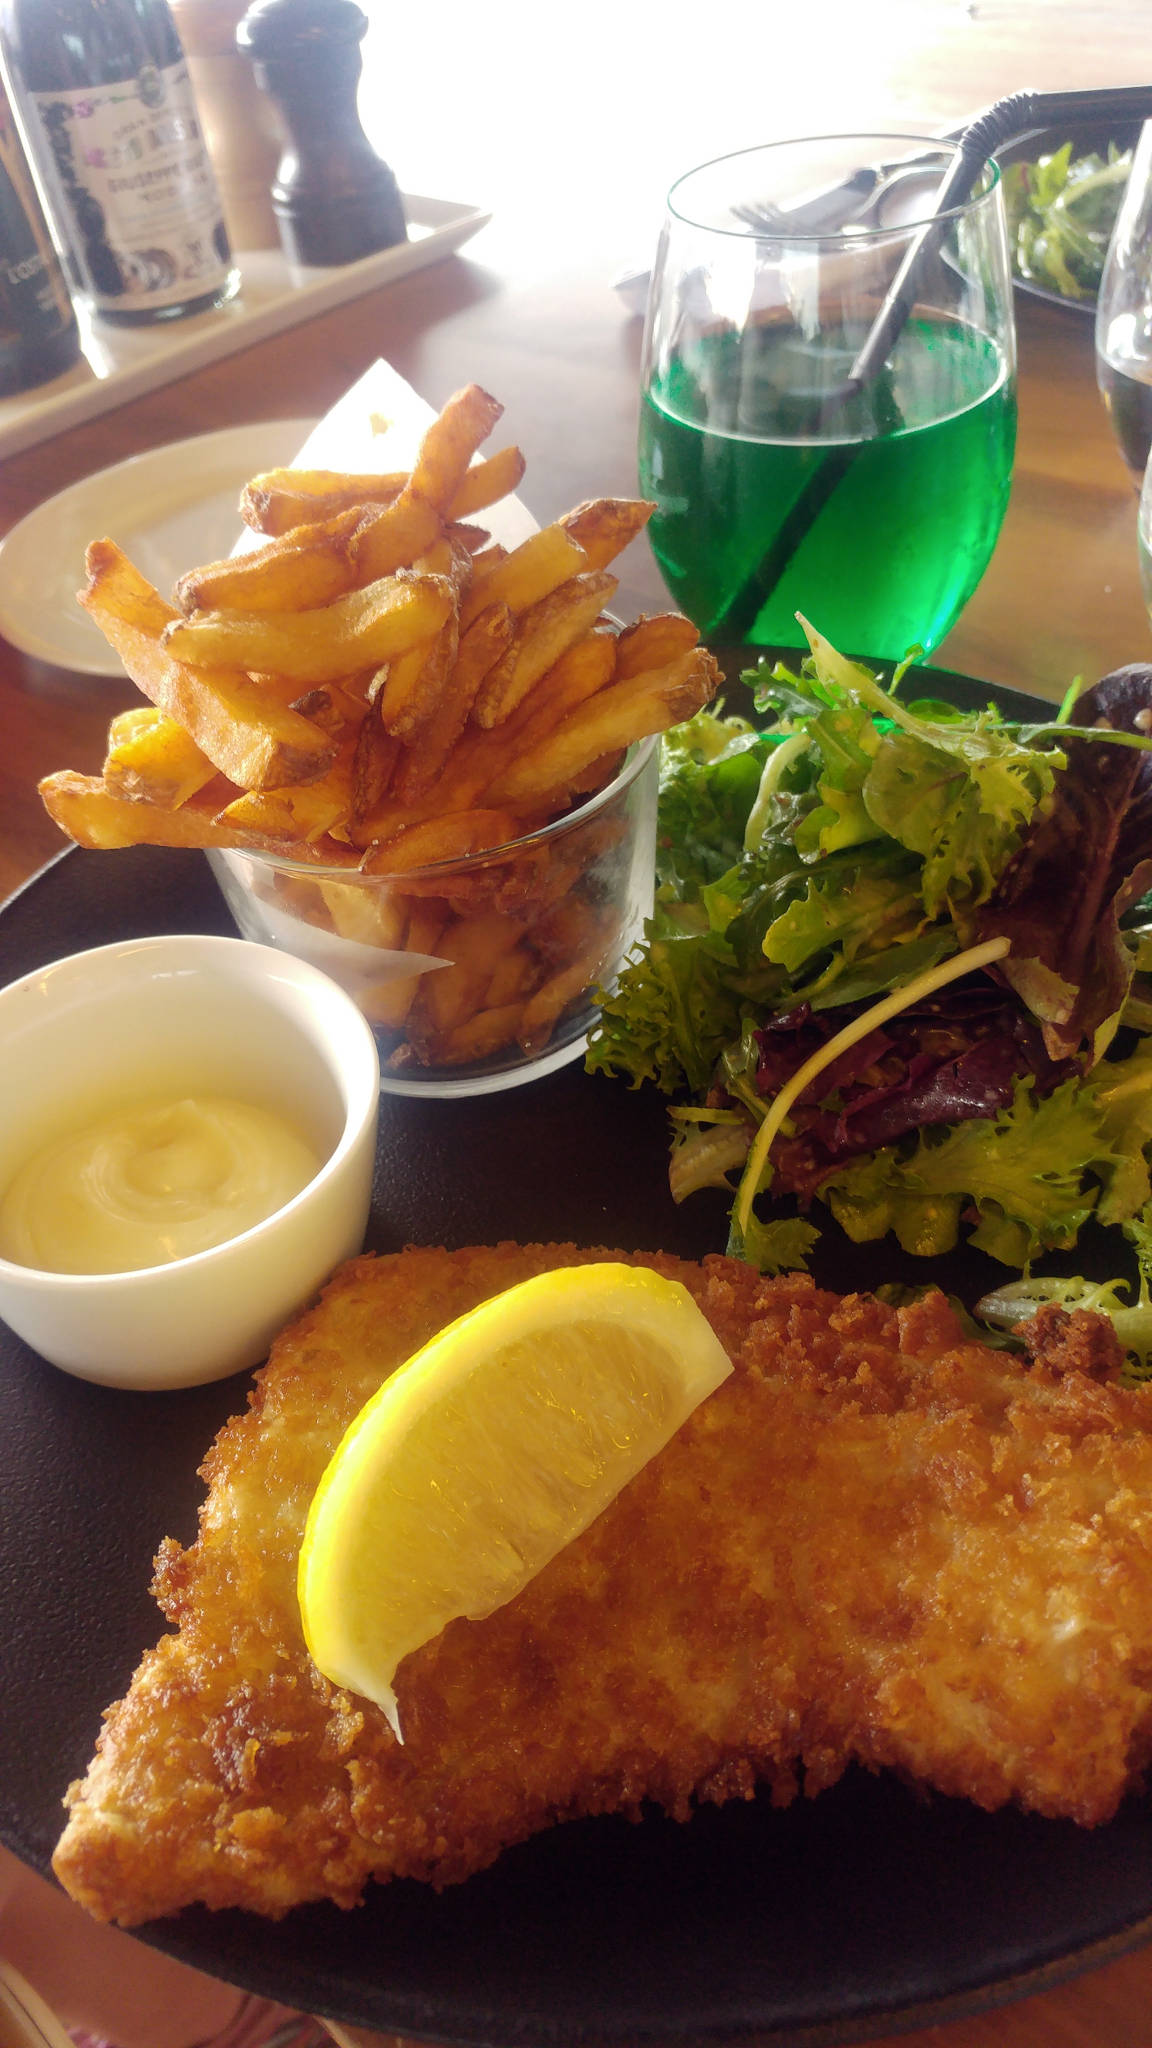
x=169, y=509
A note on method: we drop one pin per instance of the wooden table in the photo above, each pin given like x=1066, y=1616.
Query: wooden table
x=574, y=146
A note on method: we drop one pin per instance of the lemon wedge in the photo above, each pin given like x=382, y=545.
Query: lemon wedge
x=487, y=1452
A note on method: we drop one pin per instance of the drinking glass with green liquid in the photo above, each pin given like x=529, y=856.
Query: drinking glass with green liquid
x=783, y=483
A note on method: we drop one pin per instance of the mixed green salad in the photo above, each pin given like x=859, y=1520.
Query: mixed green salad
x=900, y=966
x=1061, y=211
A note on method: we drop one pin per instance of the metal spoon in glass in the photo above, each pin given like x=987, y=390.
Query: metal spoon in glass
x=859, y=201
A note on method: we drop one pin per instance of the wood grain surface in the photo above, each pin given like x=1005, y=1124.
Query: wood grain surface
x=572, y=135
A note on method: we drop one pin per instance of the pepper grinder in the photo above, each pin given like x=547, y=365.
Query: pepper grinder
x=333, y=197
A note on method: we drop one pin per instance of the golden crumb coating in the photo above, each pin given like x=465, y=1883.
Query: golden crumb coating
x=878, y=1540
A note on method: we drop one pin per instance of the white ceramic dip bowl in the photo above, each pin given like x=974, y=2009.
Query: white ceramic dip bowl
x=187, y=1016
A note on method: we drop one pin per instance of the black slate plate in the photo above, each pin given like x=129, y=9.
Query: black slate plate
x=867, y=1909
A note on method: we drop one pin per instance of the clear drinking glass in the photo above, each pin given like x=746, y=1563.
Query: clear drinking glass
x=1144, y=536
x=873, y=513
x=480, y=973
x=1124, y=316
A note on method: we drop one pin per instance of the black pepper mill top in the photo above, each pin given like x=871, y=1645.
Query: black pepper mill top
x=333, y=197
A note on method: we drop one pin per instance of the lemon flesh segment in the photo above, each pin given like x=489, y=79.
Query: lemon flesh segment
x=492, y=1448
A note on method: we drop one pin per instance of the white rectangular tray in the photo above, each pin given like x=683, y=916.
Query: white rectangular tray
x=118, y=363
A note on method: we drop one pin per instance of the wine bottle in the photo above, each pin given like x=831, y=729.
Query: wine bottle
x=110, y=122
x=39, y=335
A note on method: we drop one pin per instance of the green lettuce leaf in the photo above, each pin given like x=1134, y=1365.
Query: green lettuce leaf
x=1120, y=1091
x=780, y=1245
x=710, y=772
x=1026, y=1173
x=672, y=1013
x=958, y=793
x=847, y=909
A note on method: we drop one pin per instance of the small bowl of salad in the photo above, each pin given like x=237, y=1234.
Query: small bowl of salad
x=1062, y=192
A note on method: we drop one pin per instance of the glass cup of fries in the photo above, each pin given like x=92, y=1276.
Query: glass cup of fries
x=421, y=760
x=481, y=972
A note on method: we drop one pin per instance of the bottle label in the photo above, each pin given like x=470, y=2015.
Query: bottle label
x=34, y=302
x=133, y=173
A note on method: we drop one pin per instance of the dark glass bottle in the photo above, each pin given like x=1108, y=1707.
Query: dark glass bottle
x=333, y=197
x=39, y=337
x=105, y=101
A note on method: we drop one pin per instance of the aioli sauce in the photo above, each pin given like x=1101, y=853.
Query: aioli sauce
x=157, y=1181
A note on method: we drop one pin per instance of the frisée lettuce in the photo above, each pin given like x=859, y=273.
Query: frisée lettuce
x=892, y=949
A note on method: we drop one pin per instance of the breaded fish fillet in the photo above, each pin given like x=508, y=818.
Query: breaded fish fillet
x=877, y=1540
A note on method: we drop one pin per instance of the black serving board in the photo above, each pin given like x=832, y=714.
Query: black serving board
x=869, y=1908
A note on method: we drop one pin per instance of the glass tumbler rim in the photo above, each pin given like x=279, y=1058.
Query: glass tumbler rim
x=636, y=758
x=948, y=147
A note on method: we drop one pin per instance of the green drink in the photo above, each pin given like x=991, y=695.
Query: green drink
x=906, y=519
x=828, y=412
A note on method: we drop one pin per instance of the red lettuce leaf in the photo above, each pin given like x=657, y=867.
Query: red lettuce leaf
x=1085, y=860
x=956, y=1056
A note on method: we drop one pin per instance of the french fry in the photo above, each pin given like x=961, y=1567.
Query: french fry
x=280, y=499
x=426, y=921
x=390, y=538
x=374, y=763
x=566, y=928
x=477, y=1037
x=370, y=917
x=152, y=760
x=416, y=681
x=544, y=632
x=254, y=743
x=539, y=565
x=597, y=775
x=459, y=568
x=389, y=818
x=603, y=527
x=654, y=640
x=479, y=649
x=441, y=559
x=583, y=669
x=612, y=719
x=486, y=482
x=479, y=942
x=450, y=995
x=446, y=451
x=482, y=754
x=540, y=876
x=318, y=646
x=386, y=1003
x=296, y=816
x=486, y=559
x=309, y=565
x=439, y=839
x=477, y=758
x=96, y=816
x=510, y=978
x=295, y=895
x=473, y=539
x=543, y=1010
x=334, y=707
